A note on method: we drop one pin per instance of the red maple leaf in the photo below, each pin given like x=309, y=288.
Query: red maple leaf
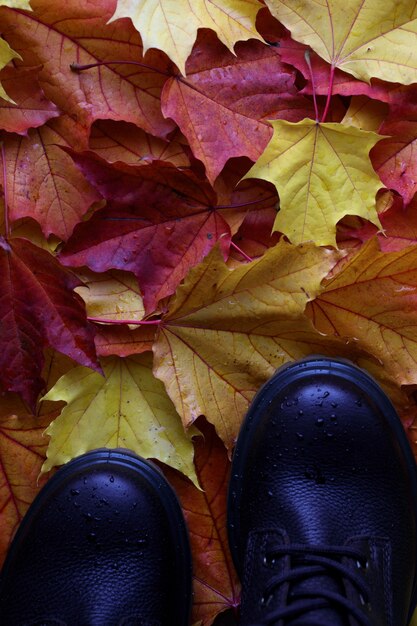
x=44, y=183
x=31, y=108
x=159, y=222
x=58, y=34
x=231, y=121
x=37, y=308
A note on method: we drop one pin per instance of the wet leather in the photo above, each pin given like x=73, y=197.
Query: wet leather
x=324, y=467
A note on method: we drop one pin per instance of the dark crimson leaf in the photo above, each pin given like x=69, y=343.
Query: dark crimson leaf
x=37, y=308
x=159, y=222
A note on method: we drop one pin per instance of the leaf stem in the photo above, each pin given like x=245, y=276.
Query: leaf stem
x=5, y=195
x=313, y=83
x=233, y=245
x=329, y=93
x=76, y=67
x=124, y=322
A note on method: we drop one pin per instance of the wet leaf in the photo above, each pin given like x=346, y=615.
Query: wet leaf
x=373, y=298
x=216, y=585
x=226, y=332
x=315, y=168
x=361, y=37
x=127, y=408
x=171, y=25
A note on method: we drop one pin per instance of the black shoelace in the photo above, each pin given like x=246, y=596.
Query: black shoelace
x=307, y=563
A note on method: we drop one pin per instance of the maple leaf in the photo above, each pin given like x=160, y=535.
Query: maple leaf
x=373, y=298
x=358, y=37
x=111, y=296
x=226, y=122
x=366, y=114
x=6, y=55
x=22, y=452
x=399, y=227
x=255, y=235
x=56, y=35
x=37, y=308
x=126, y=408
x=120, y=141
x=16, y=4
x=322, y=172
x=159, y=223
x=171, y=25
x=30, y=108
x=394, y=157
x=226, y=332
x=43, y=181
x=216, y=584
x=121, y=341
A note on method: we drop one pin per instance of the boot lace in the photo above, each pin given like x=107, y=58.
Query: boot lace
x=307, y=563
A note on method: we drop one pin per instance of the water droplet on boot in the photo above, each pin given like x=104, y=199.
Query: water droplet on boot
x=319, y=421
x=75, y=492
x=92, y=537
x=300, y=436
x=111, y=479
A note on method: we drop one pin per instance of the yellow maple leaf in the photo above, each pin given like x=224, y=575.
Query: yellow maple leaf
x=126, y=408
x=366, y=38
x=374, y=299
x=114, y=295
x=171, y=25
x=16, y=4
x=6, y=55
x=226, y=331
x=365, y=113
x=322, y=172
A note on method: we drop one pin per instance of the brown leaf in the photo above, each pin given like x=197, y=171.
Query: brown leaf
x=216, y=585
x=22, y=452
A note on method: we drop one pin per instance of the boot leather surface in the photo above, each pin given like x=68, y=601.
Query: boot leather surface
x=104, y=544
x=322, y=460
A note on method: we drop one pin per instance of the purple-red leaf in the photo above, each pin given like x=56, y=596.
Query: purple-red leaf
x=37, y=308
x=31, y=108
x=159, y=222
x=223, y=104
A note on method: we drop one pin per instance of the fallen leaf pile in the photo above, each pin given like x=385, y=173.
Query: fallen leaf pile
x=193, y=194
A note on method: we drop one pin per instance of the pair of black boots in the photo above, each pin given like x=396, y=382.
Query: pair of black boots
x=322, y=518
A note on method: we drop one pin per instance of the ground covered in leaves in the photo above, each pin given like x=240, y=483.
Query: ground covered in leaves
x=195, y=193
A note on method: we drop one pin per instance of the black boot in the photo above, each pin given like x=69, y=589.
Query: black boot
x=323, y=502
x=103, y=544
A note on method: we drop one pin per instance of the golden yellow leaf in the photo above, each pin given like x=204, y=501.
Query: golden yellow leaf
x=16, y=4
x=322, y=172
x=226, y=331
x=366, y=38
x=171, y=25
x=374, y=299
x=365, y=113
x=114, y=295
x=126, y=408
x=6, y=55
